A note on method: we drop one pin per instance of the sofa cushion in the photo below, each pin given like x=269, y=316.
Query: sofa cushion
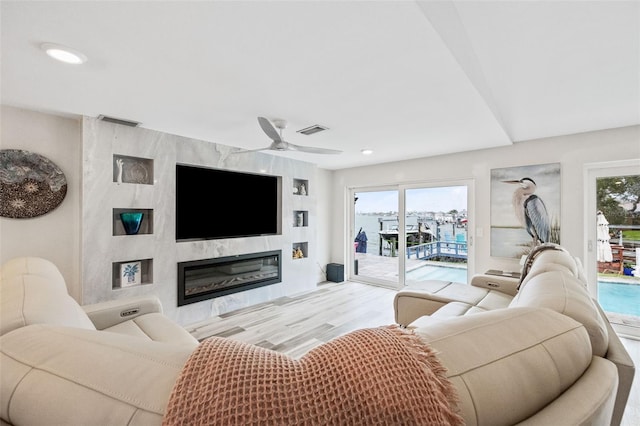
x=549, y=257
x=452, y=309
x=446, y=291
x=508, y=364
x=69, y=376
x=556, y=257
x=494, y=300
x=463, y=293
x=448, y=311
x=563, y=293
x=34, y=292
x=156, y=327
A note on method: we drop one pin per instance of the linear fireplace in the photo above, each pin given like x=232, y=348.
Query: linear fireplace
x=209, y=278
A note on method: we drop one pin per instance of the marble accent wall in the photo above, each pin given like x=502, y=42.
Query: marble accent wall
x=101, y=249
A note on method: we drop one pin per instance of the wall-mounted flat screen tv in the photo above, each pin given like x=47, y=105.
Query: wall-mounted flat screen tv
x=214, y=203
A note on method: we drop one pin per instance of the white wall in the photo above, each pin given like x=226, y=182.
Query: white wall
x=55, y=235
x=101, y=249
x=323, y=221
x=572, y=151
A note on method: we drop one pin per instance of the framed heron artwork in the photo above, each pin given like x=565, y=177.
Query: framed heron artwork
x=525, y=208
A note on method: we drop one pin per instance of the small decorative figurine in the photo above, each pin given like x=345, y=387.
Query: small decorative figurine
x=119, y=163
x=297, y=253
x=303, y=190
x=300, y=219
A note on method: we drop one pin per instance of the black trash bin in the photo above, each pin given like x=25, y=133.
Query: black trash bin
x=335, y=272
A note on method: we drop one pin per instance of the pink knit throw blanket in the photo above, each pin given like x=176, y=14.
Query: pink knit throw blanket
x=377, y=376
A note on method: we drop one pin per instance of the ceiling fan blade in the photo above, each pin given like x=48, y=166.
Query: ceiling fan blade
x=244, y=151
x=312, y=150
x=268, y=128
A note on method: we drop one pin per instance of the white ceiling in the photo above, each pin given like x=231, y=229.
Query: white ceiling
x=407, y=79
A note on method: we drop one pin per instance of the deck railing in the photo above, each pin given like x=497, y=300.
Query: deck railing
x=434, y=249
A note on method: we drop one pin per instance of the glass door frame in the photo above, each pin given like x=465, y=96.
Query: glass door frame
x=352, y=231
x=470, y=204
x=592, y=172
x=401, y=188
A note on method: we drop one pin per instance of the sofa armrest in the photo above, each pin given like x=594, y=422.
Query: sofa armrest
x=409, y=305
x=503, y=284
x=105, y=378
x=107, y=314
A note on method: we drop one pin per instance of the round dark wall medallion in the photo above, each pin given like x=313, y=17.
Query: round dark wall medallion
x=30, y=184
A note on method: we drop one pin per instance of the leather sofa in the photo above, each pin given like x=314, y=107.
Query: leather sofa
x=111, y=363
x=116, y=363
x=598, y=369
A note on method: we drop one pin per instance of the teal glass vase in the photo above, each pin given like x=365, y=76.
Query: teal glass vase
x=131, y=222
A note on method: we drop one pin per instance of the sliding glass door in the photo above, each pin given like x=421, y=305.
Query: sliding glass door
x=613, y=255
x=375, y=248
x=436, y=221
x=406, y=234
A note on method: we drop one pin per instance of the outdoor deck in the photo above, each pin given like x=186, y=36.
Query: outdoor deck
x=386, y=267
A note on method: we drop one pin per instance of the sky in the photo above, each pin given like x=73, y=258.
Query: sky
x=420, y=199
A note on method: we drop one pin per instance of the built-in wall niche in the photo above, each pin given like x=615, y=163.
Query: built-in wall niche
x=131, y=273
x=300, y=187
x=300, y=250
x=300, y=218
x=124, y=221
x=128, y=169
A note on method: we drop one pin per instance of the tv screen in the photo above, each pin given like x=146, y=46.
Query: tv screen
x=214, y=203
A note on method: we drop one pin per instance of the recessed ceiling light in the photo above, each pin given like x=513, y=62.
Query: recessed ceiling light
x=366, y=151
x=64, y=54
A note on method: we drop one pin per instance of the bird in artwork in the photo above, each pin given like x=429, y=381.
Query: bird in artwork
x=531, y=211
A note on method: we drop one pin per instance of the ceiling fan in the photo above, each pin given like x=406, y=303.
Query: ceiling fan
x=279, y=144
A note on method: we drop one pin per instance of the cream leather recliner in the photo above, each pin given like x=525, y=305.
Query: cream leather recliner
x=552, y=280
x=60, y=363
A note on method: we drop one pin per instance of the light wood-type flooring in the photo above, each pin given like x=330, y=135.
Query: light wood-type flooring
x=295, y=324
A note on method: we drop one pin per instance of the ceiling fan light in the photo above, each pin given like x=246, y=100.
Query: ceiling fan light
x=64, y=54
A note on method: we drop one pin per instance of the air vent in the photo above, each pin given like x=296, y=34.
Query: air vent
x=312, y=129
x=118, y=121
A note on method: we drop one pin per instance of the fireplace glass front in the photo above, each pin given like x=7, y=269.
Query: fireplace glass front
x=209, y=278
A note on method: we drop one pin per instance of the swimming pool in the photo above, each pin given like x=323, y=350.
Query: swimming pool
x=621, y=298
x=618, y=297
x=430, y=272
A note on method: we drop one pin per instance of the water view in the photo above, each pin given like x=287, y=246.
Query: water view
x=370, y=225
